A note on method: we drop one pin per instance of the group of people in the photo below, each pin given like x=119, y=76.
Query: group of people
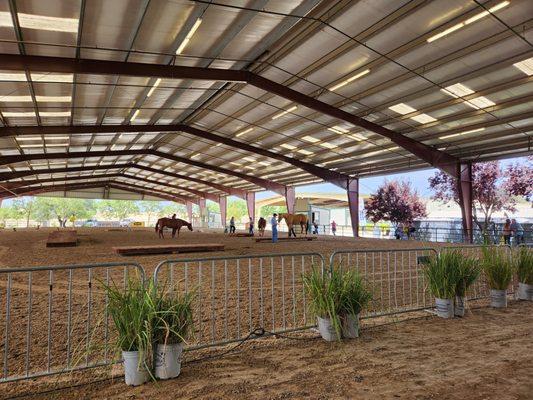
x=404, y=231
x=512, y=228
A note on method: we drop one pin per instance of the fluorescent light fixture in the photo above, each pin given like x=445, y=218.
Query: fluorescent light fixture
x=28, y=99
x=18, y=114
x=41, y=22
x=526, y=66
x=16, y=99
x=156, y=84
x=423, y=118
x=284, y=112
x=461, y=133
x=402, y=108
x=25, y=146
x=305, y=152
x=338, y=129
x=54, y=99
x=56, y=137
x=287, y=146
x=27, y=138
x=54, y=113
x=134, y=115
x=56, y=144
x=351, y=79
x=244, y=132
x=328, y=145
x=468, y=21
x=189, y=36
x=310, y=139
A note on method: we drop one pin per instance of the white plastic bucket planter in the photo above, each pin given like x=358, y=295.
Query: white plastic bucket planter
x=498, y=298
x=350, y=326
x=444, y=307
x=134, y=374
x=459, y=306
x=326, y=329
x=525, y=291
x=168, y=360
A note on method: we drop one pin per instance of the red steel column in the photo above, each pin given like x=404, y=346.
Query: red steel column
x=223, y=204
x=353, y=204
x=250, y=203
x=203, y=212
x=464, y=189
x=290, y=199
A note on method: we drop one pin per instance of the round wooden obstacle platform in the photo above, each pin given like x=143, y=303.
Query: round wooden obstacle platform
x=167, y=249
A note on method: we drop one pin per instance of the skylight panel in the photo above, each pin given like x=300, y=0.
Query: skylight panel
x=423, y=118
x=402, y=108
x=526, y=66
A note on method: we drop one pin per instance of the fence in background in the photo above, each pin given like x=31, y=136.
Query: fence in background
x=71, y=306
x=235, y=295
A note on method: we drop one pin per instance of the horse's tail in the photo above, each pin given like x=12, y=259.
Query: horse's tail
x=156, y=225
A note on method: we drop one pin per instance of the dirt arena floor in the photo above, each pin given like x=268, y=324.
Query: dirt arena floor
x=486, y=355
x=28, y=247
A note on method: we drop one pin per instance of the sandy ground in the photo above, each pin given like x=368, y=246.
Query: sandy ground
x=486, y=355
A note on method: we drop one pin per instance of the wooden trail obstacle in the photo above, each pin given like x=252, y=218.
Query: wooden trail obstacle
x=285, y=238
x=242, y=234
x=167, y=249
x=63, y=238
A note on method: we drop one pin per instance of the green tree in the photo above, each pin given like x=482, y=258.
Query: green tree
x=172, y=208
x=6, y=212
x=46, y=208
x=119, y=209
x=237, y=209
x=267, y=211
x=150, y=208
x=23, y=208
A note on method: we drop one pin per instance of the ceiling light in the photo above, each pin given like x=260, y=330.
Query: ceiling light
x=338, y=129
x=244, y=132
x=56, y=144
x=54, y=113
x=526, y=66
x=31, y=145
x=288, y=146
x=134, y=115
x=310, y=139
x=156, y=84
x=469, y=21
x=16, y=99
x=423, y=118
x=56, y=137
x=189, y=36
x=461, y=133
x=42, y=22
x=57, y=99
x=23, y=138
x=284, y=112
x=351, y=79
x=402, y=108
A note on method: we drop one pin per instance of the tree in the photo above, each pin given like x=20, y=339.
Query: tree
x=46, y=208
x=150, y=208
x=23, y=207
x=396, y=202
x=6, y=212
x=237, y=208
x=172, y=208
x=493, y=189
x=119, y=209
x=267, y=211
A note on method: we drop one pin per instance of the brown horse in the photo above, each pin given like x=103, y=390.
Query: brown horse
x=294, y=219
x=173, y=223
x=261, y=226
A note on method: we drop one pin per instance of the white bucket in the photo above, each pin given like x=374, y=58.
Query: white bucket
x=326, y=329
x=350, y=326
x=134, y=374
x=459, y=306
x=444, y=307
x=168, y=360
x=498, y=298
x=525, y=291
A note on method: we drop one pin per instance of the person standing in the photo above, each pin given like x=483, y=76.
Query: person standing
x=274, y=222
x=517, y=231
x=232, y=225
x=251, y=227
x=507, y=232
x=315, y=227
x=333, y=228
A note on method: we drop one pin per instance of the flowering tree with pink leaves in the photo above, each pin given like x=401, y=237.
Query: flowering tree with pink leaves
x=493, y=188
x=396, y=202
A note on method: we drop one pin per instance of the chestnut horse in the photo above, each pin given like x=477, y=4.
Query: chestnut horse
x=173, y=223
x=294, y=219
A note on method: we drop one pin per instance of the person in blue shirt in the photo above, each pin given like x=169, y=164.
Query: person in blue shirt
x=274, y=222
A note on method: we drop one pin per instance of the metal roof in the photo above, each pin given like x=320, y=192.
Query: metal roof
x=196, y=99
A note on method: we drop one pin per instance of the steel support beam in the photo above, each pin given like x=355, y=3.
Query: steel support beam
x=464, y=186
x=250, y=205
x=353, y=204
x=203, y=212
x=18, y=62
x=264, y=183
x=290, y=199
x=188, y=205
x=223, y=204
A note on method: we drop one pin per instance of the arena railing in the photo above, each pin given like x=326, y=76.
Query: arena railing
x=54, y=319
x=236, y=295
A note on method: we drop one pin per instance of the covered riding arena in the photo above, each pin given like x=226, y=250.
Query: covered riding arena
x=197, y=101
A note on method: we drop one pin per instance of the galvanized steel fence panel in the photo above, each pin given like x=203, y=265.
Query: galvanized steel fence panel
x=54, y=319
x=395, y=277
x=235, y=295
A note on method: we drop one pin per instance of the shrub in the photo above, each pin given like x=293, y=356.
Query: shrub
x=524, y=265
x=468, y=271
x=441, y=272
x=355, y=295
x=497, y=267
